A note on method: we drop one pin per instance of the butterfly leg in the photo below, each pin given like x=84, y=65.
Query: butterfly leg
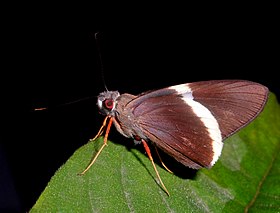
x=101, y=129
x=104, y=144
x=162, y=161
x=148, y=151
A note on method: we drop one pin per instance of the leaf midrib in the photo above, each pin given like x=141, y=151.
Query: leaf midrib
x=252, y=202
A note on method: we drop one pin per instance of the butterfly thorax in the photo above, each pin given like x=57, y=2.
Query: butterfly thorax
x=125, y=121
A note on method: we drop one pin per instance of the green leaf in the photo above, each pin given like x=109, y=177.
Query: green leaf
x=246, y=177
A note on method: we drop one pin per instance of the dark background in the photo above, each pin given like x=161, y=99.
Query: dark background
x=50, y=57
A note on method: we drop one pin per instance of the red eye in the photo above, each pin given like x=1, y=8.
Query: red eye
x=109, y=103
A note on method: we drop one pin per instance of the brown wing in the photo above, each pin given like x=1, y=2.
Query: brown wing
x=185, y=121
x=234, y=103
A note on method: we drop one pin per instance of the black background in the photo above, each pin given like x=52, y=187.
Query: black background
x=50, y=57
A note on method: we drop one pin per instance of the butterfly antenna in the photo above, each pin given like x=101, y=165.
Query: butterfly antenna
x=63, y=104
x=96, y=36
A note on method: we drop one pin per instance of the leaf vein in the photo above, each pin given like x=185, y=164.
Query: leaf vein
x=252, y=202
x=126, y=193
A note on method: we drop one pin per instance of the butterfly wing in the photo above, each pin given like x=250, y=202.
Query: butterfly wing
x=233, y=103
x=189, y=121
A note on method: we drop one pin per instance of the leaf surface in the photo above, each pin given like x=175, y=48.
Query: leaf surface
x=245, y=178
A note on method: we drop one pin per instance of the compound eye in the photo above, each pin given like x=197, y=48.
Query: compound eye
x=108, y=104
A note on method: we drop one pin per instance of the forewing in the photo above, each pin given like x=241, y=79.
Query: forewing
x=189, y=121
x=234, y=103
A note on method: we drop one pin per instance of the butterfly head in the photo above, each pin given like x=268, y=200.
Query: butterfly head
x=106, y=102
